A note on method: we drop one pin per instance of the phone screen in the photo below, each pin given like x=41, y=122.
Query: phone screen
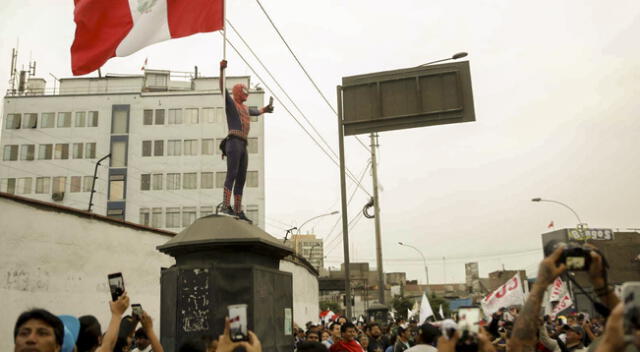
x=238, y=322
x=469, y=319
x=116, y=285
x=270, y=100
x=136, y=309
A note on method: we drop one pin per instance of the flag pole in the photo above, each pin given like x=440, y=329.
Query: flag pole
x=224, y=54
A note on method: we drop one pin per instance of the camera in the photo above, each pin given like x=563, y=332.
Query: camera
x=575, y=256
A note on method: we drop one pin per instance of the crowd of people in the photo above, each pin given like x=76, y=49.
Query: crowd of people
x=513, y=329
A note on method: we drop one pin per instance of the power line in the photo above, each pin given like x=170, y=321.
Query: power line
x=349, y=174
x=305, y=71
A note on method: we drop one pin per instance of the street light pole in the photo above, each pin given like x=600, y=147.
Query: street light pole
x=455, y=56
x=376, y=209
x=316, y=217
x=562, y=204
x=424, y=260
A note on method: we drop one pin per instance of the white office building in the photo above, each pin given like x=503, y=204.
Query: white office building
x=161, y=129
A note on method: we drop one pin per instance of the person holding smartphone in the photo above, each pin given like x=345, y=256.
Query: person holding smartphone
x=235, y=145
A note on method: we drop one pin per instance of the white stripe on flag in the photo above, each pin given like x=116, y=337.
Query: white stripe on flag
x=150, y=25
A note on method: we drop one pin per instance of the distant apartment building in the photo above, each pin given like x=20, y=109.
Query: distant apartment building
x=161, y=130
x=310, y=248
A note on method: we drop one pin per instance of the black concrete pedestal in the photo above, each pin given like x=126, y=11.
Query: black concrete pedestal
x=222, y=261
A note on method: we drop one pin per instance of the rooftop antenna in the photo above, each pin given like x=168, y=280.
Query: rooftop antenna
x=12, y=72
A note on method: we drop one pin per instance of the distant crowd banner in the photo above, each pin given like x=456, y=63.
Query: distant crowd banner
x=558, y=290
x=509, y=294
x=565, y=303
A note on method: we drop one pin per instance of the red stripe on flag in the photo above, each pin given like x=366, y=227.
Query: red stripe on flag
x=100, y=27
x=187, y=17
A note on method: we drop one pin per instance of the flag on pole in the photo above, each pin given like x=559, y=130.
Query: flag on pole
x=509, y=294
x=551, y=225
x=144, y=66
x=441, y=312
x=108, y=28
x=425, y=309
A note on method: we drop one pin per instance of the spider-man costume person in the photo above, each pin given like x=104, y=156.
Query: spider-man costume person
x=235, y=145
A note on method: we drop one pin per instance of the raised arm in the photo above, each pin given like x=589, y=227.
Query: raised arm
x=147, y=324
x=525, y=330
x=223, y=66
x=111, y=335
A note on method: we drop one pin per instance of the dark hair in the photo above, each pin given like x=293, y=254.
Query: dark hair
x=372, y=325
x=140, y=334
x=40, y=314
x=333, y=324
x=347, y=325
x=121, y=343
x=308, y=346
x=309, y=332
x=428, y=333
x=89, y=335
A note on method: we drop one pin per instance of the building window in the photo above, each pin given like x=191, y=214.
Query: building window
x=158, y=148
x=10, y=153
x=48, y=120
x=252, y=212
x=61, y=152
x=30, y=121
x=220, y=177
x=190, y=180
x=146, y=148
x=205, y=211
x=45, y=151
x=90, y=150
x=173, y=217
x=13, y=121
x=252, y=179
x=144, y=216
x=156, y=182
x=120, y=123
x=145, y=182
x=87, y=183
x=59, y=184
x=93, y=119
x=206, y=180
x=116, y=187
x=208, y=115
x=64, y=119
x=188, y=216
x=43, y=185
x=81, y=118
x=156, y=217
x=76, y=184
x=190, y=147
x=208, y=146
x=174, y=147
x=252, y=145
x=173, y=181
x=27, y=151
x=8, y=185
x=175, y=116
x=147, y=117
x=116, y=213
x=24, y=185
x=191, y=116
x=159, y=116
x=220, y=115
x=118, y=154
x=78, y=149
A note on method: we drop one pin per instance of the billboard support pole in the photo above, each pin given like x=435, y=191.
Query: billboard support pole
x=343, y=196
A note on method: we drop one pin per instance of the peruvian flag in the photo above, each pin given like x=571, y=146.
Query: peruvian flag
x=108, y=28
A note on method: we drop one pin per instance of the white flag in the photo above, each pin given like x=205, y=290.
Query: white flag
x=409, y=314
x=558, y=290
x=425, y=309
x=509, y=294
x=565, y=303
x=441, y=312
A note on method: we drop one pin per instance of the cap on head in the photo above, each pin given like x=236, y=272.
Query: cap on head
x=71, y=331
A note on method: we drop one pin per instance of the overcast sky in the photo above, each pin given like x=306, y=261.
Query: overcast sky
x=557, y=106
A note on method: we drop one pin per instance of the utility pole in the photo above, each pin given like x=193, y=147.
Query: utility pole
x=376, y=209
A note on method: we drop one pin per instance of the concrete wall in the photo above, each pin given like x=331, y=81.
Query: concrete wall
x=60, y=261
x=305, y=293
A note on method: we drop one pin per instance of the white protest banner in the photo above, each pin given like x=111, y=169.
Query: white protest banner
x=558, y=290
x=565, y=302
x=509, y=294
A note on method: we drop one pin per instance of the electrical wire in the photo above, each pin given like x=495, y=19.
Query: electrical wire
x=305, y=71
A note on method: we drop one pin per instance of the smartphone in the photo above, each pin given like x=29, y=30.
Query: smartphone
x=270, y=101
x=238, y=322
x=116, y=285
x=469, y=319
x=631, y=299
x=136, y=309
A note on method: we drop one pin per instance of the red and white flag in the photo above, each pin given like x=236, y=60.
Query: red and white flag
x=509, y=294
x=564, y=303
x=108, y=28
x=551, y=225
